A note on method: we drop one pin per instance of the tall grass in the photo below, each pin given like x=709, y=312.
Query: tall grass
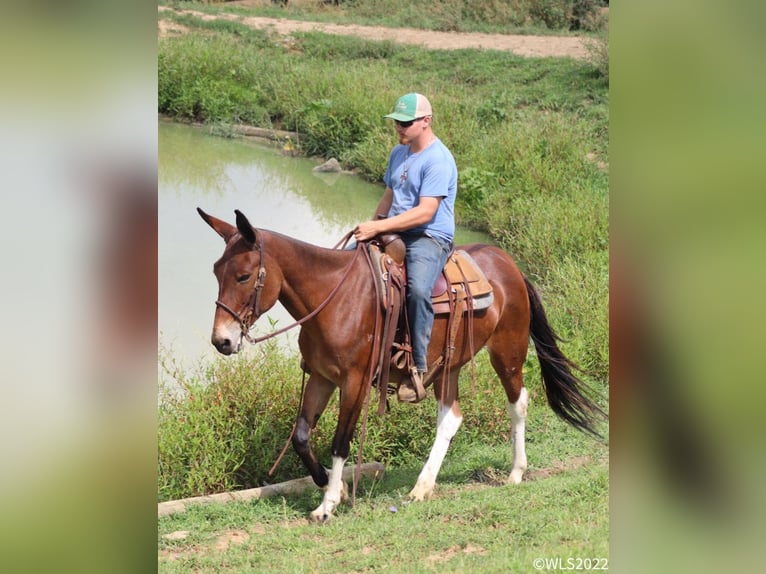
x=221, y=428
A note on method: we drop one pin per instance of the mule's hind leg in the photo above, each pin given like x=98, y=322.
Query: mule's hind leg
x=518, y=413
x=448, y=422
x=508, y=367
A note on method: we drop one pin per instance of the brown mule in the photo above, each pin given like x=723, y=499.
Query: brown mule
x=333, y=293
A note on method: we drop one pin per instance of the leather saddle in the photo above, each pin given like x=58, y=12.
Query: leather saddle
x=461, y=279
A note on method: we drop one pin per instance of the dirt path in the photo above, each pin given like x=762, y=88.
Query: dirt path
x=535, y=46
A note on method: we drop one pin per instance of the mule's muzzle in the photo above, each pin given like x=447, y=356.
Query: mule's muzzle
x=225, y=345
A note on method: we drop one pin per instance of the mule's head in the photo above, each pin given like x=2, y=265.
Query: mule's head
x=245, y=288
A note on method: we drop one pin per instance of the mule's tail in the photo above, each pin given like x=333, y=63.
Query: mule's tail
x=562, y=388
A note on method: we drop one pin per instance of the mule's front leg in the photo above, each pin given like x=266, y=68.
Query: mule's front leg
x=318, y=392
x=351, y=400
x=335, y=493
x=302, y=446
x=449, y=419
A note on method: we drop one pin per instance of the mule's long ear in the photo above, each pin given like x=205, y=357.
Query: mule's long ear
x=244, y=227
x=225, y=230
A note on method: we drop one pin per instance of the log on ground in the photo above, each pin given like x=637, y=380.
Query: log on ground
x=370, y=469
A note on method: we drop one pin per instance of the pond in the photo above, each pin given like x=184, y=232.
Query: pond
x=275, y=191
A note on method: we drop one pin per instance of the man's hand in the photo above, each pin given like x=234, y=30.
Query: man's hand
x=367, y=230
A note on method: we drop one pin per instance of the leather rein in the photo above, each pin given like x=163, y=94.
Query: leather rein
x=252, y=308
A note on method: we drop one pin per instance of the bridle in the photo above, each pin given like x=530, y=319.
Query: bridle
x=253, y=305
x=252, y=308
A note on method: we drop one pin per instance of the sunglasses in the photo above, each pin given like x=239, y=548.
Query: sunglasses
x=407, y=124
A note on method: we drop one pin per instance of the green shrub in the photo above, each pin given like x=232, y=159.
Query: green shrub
x=579, y=307
x=326, y=47
x=502, y=12
x=453, y=15
x=477, y=187
x=554, y=14
x=222, y=428
x=370, y=155
x=208, y=79
x=540, y=231
x=331, y=126
x=598, y=51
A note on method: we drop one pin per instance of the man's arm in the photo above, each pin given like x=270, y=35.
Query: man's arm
x=422, y=213
x=384, y=205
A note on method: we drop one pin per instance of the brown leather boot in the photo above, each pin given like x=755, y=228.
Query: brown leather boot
x=412, y=390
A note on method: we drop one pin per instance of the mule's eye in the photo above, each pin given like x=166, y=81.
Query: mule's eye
x=243, y=278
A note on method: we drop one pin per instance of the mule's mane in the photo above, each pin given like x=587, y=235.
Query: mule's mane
x=299, y=259
x=330, y=253
x=299, y=247
x=310, y=271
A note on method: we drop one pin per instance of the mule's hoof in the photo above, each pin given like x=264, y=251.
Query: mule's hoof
x=419, y=494
x=515, y=476
x=320, y=517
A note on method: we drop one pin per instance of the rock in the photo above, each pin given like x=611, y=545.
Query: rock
x=330, y=166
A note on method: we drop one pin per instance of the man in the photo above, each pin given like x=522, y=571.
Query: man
x=418, y=204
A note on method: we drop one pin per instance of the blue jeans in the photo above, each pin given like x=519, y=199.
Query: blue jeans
x=425, y=260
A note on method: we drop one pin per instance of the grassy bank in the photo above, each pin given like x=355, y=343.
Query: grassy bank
x=476, y=527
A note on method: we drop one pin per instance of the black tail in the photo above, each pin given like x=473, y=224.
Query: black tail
x=562, y=388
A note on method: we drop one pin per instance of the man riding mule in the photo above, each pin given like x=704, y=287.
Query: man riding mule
x=333, y=295
x=419, y=205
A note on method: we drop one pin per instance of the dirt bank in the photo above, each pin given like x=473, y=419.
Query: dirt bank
x=533, y=46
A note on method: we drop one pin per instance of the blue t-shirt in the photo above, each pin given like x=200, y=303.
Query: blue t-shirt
x=428, y=173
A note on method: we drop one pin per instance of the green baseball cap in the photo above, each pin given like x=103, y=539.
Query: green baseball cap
x=410, y=107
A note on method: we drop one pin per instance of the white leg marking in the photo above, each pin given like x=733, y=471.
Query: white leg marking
x=446, y=427
x=518, y=414
x=334, y=493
